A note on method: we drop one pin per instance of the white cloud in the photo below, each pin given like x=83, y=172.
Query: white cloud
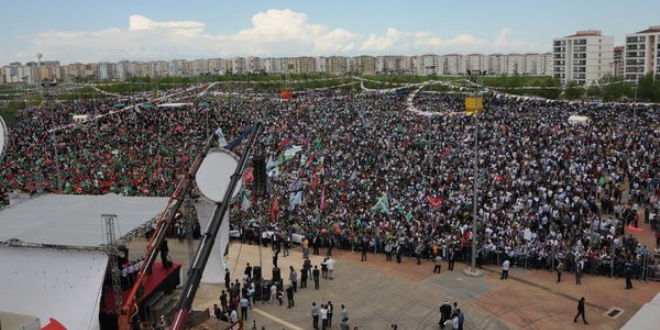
x=273, y=33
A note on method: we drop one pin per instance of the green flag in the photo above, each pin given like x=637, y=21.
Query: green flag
x=382, y=205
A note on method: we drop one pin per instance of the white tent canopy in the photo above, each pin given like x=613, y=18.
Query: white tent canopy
x=58, y=270
x=75, y=220
x=647, y=318
x=62, y=284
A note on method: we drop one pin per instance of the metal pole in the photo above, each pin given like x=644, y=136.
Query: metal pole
x=475, y=187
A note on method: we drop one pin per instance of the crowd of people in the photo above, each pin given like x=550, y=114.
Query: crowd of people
x=371, y=172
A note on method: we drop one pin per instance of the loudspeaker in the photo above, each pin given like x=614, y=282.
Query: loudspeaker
x=260, y=175
x=276, y=275
x=256, y=273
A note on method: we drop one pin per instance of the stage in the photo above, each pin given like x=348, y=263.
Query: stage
x=162, y=281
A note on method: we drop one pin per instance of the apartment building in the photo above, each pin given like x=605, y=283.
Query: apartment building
x=426, y=65
x=337, y=65
x=642, y=53
x=584, y=57
x=388, y=65
x=363, y=65
x=306, y=65
x=476, y=63
x=618, y=61
x=453, y=65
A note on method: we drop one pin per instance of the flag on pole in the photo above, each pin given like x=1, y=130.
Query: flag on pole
x=273, y=209
x=435, y=201
x=248, y=175
x=446, y=152
x=322, y=205
x=284, y=143
x=245, y=201
x=294, y=200
x=296, y=186
x=409, y=216
x=382, y=205
x=291, y=152
x=222, y=141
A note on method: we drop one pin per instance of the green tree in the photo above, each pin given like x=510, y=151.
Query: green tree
x=573, y=91
x=615, y=88
x=647, y=88
x=594, y=91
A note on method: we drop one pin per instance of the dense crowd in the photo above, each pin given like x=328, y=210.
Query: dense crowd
x=375, y=173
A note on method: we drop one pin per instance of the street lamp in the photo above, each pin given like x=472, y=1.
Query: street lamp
x=474, y=106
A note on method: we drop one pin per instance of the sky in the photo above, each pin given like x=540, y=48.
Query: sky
x=89, y=31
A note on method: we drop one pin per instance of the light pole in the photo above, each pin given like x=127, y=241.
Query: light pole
x=474, y=105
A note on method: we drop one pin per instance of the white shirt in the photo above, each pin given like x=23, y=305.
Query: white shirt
x=330, y=263
x=505, y=265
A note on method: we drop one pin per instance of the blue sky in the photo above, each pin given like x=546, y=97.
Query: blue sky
x=92, y=31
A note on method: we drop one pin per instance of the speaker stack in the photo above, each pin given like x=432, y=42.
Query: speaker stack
x=260, y=175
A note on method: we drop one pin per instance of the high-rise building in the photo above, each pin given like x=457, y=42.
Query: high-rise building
x=642, y=54
x=584, y=57
x=618, y=61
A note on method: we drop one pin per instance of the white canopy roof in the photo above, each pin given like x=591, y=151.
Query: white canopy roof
x=75, y=220
x=648, y=317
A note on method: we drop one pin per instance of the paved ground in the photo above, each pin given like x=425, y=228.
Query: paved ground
x=379, y=293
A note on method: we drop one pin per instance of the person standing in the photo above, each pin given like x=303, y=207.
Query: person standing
x=364, y=249
x=578, y=273
x=293, y=277
x=303, y=277
x=505, y=269
x=273, y=293
x=388, y=251
x=305, y=249
x=580, y=311
x=316, y=274
x=223, y=301
x=438, y=264
x=445, y=313
x=330, y=308
x=324, y=268
x=323, y=314
x=451, y=258
x=217, y=312
x=344, y=312
x=560, y=270
x=315, y=316
x=289, y=296
x=275, y=253
x=453, y=320
x=248, y=271
x=307, y=265
x=330, y=264
x=629, y=273
x=330, y=244
x=245, y=303
x=233, y=316
x=344, y=324
x=399, y=252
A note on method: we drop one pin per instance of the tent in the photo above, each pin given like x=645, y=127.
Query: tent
x=578, y=120
x=647, y=318
x=51, y=248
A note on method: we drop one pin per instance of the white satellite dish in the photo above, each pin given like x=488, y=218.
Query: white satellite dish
x=4, y=137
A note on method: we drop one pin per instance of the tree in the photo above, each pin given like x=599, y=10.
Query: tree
x=615, y=88
x=594, y=91
x=573, y=91
x=647, y=88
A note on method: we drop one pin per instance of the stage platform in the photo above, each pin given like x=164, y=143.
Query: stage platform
x=161, y=283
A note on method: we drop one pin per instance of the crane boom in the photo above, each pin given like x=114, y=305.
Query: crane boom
x=129, y=308
x=196, y=269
